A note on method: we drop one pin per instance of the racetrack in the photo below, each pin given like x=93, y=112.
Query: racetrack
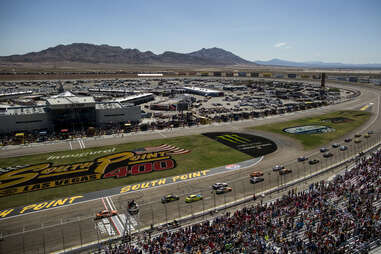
x=74, y=225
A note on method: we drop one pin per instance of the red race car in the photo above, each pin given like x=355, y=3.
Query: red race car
x=256, y=174
x=285, y=171
x=105, y=214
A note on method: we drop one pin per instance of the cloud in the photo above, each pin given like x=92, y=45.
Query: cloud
x=281, y=45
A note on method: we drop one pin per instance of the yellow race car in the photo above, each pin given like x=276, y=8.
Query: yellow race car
x=193, y=198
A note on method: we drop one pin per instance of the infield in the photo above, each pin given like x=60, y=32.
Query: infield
x=204, y=154
x=354, y=119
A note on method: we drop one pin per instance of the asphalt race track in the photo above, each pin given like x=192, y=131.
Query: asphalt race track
x=65, y=227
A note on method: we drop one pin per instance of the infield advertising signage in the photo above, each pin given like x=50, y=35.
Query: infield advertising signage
x=123, y=164
x=309, y=129
x=250, y=144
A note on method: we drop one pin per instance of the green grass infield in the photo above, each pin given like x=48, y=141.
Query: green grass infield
x=342, y=121
x=205, y=154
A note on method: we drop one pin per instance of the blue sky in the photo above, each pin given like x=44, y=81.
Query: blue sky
x=299, y=30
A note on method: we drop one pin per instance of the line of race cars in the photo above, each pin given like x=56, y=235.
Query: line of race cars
x=326, y=154
x=342, y=148
x=219, y=188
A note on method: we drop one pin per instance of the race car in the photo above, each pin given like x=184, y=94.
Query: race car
x=255, y=180
x=219, y=185
x=343, y=148
x=169, y=198
x=302, y=158
x=223, y=190
x=133, y=208
x=278, y=167
x=193, y=198
x=314, y=161
x=285, y=171
x=256, y=174
x=105, y=214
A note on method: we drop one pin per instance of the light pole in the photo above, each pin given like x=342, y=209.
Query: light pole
x=178, y=208
x=153, y=219
x=166, y=214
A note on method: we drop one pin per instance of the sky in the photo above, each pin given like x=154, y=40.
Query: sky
x=347, y=31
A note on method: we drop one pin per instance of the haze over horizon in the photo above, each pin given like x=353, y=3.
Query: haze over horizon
x=328, y=31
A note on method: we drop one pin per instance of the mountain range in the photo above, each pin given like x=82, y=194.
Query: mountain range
x=90, y=53
x=316, y=64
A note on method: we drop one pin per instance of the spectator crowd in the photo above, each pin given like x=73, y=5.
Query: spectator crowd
x=339, y=216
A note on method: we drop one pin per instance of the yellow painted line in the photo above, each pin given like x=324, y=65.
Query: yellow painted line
x=364, y=108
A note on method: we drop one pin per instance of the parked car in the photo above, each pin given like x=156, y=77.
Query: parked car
x=256, y=174
x=347, y=140
x=370, y=132
x=357, y=141
x=343, y=148
x=314, y=161
x=285, y=171
x=278, y=167
x=255, y=180
x=366, y=136
x=327, y=155
x=324, y=149
x=357, y=135
x=335, y=145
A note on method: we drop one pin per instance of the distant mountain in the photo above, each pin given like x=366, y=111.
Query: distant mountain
x=217, y=54
x=315, y=64
x=90, y=53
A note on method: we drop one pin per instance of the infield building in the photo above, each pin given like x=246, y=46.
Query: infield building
x=67, y=111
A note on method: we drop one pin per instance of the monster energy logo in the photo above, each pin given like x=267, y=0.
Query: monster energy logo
x=252, y=145
x=234, y=138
